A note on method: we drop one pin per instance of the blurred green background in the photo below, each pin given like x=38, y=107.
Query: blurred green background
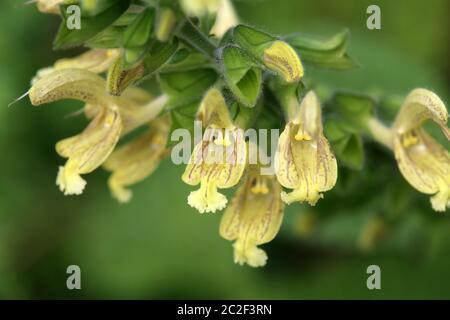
x=159, y=247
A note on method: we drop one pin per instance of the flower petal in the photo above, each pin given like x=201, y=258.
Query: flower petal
x=304, y=160
x=281, y=58
x=425, y=164
x=88, y=150
x=136, y=160
x=213, y=111
x=419, y=106
x=76, y=84
x=254, y=217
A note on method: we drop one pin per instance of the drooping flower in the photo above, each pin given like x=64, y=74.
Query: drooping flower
x=423, y=162
x=304, y=161
x=88, y=150
x=110, y=118
x=75, y=84
x=217, y=161
x=253, y=217
x=282, y=59
x=137, y=159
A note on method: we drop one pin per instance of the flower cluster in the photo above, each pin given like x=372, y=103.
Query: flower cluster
x=217, y=76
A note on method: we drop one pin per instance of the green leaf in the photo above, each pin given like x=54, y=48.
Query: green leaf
x=356, y=109
x=245, y=117
x=328, y=53
x=207, y=22
x=227, y=38
x=133, y=56
x=138, y=32
x=183, y=116
x=346, y=144
x=107, y=39
x=187, y=84
x=286, y=94
x=93, y=7
x=90, y=26
x=241, y=74
x=185, y=60
x=158, y=54
x=112, y=36
x=252, y=40
x=191, y=35
x=135, y=65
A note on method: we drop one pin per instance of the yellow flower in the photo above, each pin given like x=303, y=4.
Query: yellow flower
x=282, y=59
x=89, y=149
x=254, y=217
x=423, y=162
x=217, y=161
x=136, y=160
x=49, y=6
x=199, y=8
x=111, y=117
x=304, y=161
x=226, y=18
x=75, y=84
x=95, y=60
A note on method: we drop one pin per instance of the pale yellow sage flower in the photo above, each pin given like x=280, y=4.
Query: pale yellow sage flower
x=304, y=161
x=217, y=161
x=89, y=149
x=423, y=162
x=282, y=59
x=253, y=217
x=137, y=159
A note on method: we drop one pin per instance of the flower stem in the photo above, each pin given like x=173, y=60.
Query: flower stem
x=380, y=132
x=290, y=108
x=193, y=36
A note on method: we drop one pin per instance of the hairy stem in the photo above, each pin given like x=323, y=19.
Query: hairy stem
x=194, y=37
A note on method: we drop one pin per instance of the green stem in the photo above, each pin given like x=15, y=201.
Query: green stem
x=246, y=116
x=290, y=107
x=194, y=37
